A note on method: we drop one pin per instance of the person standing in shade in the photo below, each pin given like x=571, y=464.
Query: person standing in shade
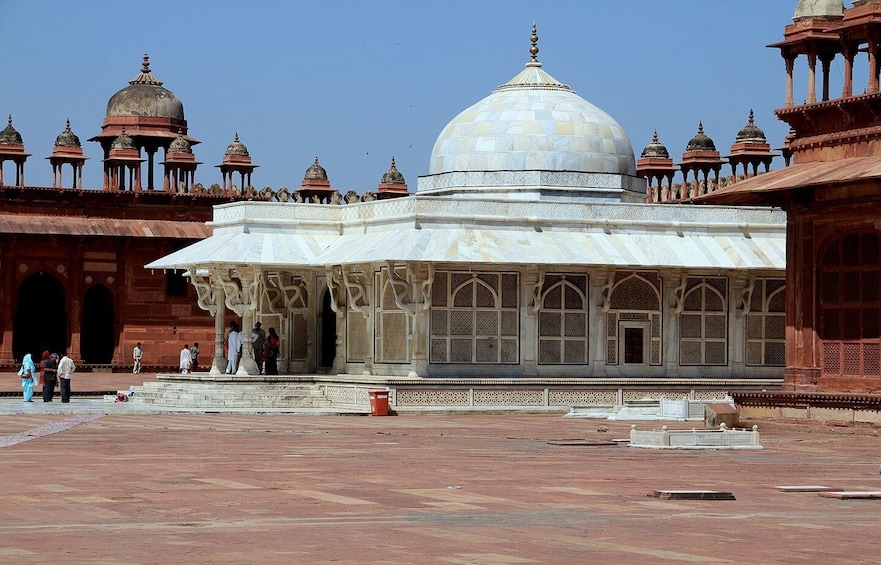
x=258, y=338
x=194, y=353
x=65, y=369
x=234, y=341
x=49, y=368
x=270, y=352
x=28, y=374
x=186, y=359
x=137, y=353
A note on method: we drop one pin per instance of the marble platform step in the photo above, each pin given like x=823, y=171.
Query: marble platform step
x=208, y=395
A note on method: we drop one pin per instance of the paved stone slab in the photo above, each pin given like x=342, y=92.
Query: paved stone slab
x=692, y=495
x=852, y=494
x=803, y=488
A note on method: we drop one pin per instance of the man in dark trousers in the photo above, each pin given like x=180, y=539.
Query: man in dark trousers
x=65, y=368
x=49, y=367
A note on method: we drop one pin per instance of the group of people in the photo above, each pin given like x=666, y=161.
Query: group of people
x=266, y=348
x=54, y=370
x=189, y=358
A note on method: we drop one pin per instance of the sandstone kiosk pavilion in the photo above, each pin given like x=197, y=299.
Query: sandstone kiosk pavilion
x=527, y=271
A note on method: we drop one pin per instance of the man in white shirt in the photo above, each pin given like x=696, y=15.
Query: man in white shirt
x=186, y=360
x=137, y=353
x=234, y=348
x=66, y=367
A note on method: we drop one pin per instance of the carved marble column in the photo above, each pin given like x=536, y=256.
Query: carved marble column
x=742, y=285
x=601, y=283
x=210, y=297
x=674, y=282
x=533, y=282
x=250, y=281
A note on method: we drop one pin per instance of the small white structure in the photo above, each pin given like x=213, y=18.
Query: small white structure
x=723, y=438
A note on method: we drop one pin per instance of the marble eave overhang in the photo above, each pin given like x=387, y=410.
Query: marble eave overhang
x=488, y=232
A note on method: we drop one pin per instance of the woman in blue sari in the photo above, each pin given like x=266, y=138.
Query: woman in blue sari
x=28, y=374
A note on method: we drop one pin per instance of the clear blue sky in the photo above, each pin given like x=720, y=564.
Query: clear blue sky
x=357, y=82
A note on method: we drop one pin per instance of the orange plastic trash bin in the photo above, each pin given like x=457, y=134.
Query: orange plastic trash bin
x=378, y=402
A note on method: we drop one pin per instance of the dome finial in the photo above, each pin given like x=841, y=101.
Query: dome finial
x=751, y=117
x=67, y=125
x=237, y=137
x=534, y=49
x=9, y=121
x=700, y=127
x=145, y=65
x=655, y=137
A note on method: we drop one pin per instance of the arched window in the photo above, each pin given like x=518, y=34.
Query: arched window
x=562, y=320
x=475, y=318
x=703, y=323
x=766, y=324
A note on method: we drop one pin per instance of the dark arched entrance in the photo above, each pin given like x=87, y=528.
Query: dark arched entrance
x=40, y=317
x=98, y=331
x=328, y=332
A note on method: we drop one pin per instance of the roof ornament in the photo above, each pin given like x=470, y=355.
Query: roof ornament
x=9, y=121
x=146, y=76
x=534, y=49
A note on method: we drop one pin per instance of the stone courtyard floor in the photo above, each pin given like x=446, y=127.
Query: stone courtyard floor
x=469, y=489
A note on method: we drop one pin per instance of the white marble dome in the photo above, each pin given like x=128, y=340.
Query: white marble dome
x=533, y=123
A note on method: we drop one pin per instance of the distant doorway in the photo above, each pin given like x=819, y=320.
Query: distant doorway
x=40, y=317
x=328, y=332
x=97, y=334
x=634, y=342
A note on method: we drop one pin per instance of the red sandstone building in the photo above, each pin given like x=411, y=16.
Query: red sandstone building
x=72, y=259
x=832, y=195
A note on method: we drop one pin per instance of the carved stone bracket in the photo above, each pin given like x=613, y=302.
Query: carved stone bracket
x=205, y=291
x=358, y=297
x=678, y=302
x=334, y=285
x=532, y=310
x=746, y=296
x=606, y=280
x=285, y=292
x=232, y=294
x=405, y=288
x=251, y=284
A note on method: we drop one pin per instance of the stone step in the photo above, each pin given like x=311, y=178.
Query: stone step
x=238, y=395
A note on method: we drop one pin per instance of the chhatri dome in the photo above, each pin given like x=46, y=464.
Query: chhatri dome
x=531, y=123
x=144, y=96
